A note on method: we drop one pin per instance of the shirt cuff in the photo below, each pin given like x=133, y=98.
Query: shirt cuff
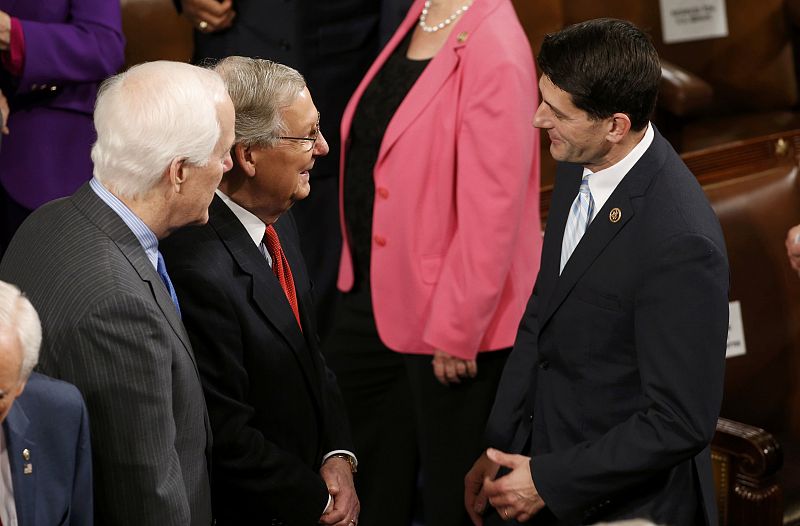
x=14, y=58
x=341, y=452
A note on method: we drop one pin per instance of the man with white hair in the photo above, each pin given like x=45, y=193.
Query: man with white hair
x=282, y=445
x=90, y=264
x=45, y=456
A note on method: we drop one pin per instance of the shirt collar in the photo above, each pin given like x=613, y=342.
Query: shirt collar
x=146, y=237
x=254, y=226
x=603, y=183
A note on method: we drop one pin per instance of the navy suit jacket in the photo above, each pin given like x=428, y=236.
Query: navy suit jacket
x=275, y=407
x=615, y=381
x=50, y=421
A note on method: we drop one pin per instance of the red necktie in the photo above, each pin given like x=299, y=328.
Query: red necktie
x=280, y=266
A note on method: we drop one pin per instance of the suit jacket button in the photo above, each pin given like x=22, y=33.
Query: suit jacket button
x=544, y=364
x=284, y=44
x=383, y=192
x=380, y=241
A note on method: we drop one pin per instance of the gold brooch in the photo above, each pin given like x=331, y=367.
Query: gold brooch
x=615, y=215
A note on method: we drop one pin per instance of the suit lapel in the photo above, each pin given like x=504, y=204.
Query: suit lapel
x=300, y=275
x=602, y=229
x=16, y=427
x=596, y=238
x=109, y=222
x=266, y=292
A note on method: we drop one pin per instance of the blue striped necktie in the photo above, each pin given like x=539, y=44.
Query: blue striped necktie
x=161, y=268
x=580, y=215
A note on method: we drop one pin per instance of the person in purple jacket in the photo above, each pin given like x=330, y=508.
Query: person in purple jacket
x=53, y=54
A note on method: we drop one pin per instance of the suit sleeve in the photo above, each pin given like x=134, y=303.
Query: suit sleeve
x=86, y=48
x=337, y=427
x=496, y=145
x=510, y=401
x=243, y=457
x=126, y=378
x=680, y=326
x=82, y=508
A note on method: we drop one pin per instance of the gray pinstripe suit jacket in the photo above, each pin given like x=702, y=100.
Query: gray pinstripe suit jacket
x=111, y=329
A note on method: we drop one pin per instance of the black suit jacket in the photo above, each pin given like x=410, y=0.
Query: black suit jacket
x=275, y=407
x=615, y=381
x=332, y=43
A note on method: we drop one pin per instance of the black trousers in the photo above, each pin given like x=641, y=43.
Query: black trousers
x=407, y=427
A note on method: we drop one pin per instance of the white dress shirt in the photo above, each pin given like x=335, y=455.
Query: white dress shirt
x=603, y=183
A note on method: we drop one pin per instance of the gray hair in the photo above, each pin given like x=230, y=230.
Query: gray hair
x=17, y=314
x=260, y=90
x=150, y=115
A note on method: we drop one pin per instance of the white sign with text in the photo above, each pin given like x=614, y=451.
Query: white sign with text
x=736, y=346
x=685, y=20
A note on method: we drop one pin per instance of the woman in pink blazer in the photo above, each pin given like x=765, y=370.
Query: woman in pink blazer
x=439, y=200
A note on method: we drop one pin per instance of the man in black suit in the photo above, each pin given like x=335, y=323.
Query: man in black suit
x=333, y=42
x=282, y=449
x=610, y=397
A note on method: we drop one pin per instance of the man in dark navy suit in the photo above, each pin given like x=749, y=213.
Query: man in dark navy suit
x=45, y=454
x=610, y=397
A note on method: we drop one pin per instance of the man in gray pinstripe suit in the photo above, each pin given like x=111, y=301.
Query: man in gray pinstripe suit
x=90, y=265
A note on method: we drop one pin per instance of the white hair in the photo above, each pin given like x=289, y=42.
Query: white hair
x=150, y=115
x=260, y=90
x=18, y=318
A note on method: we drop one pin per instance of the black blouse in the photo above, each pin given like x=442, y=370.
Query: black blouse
x=375, y=109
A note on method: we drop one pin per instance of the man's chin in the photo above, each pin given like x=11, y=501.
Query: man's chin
x=303, y=190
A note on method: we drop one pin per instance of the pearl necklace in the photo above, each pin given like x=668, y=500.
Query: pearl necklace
x=444, y=23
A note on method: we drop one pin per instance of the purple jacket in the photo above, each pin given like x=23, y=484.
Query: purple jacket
x=70, y=46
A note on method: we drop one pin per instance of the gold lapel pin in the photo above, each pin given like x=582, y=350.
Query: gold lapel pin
x=615, y=215
x=462, y=37
x=27, y=468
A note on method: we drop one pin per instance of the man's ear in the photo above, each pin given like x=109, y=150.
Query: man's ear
x=243, y=155
x=620, y=126
x=176, y=173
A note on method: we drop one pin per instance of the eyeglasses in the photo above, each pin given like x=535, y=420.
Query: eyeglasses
x=311, y=140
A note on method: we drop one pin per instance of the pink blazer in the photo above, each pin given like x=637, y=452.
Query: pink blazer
x=456, y=229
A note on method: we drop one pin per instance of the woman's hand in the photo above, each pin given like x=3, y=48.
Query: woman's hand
x=450, y=370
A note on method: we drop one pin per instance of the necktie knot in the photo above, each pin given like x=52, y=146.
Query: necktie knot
x=271, y=241
x=585, y=185
x=161, y=268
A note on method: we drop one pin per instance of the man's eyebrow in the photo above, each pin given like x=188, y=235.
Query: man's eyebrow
x=555, y=109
